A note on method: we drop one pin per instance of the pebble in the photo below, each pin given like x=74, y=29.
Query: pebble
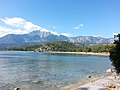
x=89, y=76
x=38, y=82
x=16, y=88
x=35, y=81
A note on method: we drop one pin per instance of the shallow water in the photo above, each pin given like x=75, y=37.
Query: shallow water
x=45, y=71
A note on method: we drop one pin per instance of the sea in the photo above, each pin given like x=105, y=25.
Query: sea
x=29, y=70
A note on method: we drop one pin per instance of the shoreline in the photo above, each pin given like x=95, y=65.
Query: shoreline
x=76, y=53
x=83, y=53
x=82, y=83
x=101, y=83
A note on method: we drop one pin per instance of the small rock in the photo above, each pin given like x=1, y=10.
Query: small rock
x=16, y=88
x=35, y=81
x=89, y=76
x=38, y=82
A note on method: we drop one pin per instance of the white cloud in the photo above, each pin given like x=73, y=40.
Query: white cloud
x=4, y=31
x=54, y=32
x=78, y=27
x=30, y=26
x=21, y=26
x=15, y=22
x=81, y=25
x=44, y=30
x=66, y=34
x=115, y=34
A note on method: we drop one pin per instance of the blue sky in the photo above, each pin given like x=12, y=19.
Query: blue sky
x=67, y=17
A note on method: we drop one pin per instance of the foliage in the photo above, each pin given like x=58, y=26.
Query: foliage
x=115, y=56
x=70, y=47
x=63, y=46
x=100, y=48
x=59, y=46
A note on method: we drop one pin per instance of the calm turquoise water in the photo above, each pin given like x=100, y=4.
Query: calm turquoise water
x=44, y=71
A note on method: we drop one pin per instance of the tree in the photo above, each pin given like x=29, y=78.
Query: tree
x=115, y=55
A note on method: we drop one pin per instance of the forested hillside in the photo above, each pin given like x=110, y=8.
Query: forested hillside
x=63, y=46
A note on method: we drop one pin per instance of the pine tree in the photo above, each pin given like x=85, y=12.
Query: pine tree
x=115, y=55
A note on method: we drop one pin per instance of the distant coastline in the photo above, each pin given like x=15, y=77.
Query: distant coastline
x=106, y=54
x=66, y=47
x=83, y=53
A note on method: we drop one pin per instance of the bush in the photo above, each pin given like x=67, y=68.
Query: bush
x=115, y=55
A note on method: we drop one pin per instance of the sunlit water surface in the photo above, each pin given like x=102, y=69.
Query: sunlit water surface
x=45, y=71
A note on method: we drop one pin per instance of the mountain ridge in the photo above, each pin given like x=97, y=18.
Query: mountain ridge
x=91, y=40
x=46, y=37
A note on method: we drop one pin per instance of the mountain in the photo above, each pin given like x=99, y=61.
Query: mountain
x=90, y=40
x=35, y=37
x=38, y=37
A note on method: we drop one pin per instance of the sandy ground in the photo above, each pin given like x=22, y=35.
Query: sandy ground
x=106, y=83
x=84, y=53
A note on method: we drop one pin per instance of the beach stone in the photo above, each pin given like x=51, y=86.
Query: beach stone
x=38, y=82
x=89, y=76
x=35, y=81
x=16, y=88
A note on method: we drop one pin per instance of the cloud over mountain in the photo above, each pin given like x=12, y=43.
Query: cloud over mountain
x=21, y=26
x=66, y=34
